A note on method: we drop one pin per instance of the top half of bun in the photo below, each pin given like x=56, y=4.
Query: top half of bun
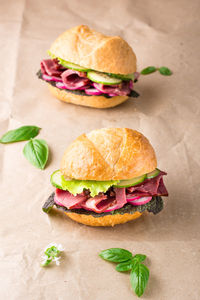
x=109, y=154
x=88, y=48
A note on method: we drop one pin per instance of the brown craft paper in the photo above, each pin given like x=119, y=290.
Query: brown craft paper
x=167, y=112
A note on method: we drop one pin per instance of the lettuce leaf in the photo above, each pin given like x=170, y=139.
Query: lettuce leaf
x=77, y=186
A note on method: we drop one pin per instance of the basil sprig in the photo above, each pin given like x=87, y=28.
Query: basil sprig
x=127, y=262
x=36, y=152
x=23, y=133
x=151, y=69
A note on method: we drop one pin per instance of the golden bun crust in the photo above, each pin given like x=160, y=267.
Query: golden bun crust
x=91, y=101
x=109, y=220
x=93, y=50
x=108, y=154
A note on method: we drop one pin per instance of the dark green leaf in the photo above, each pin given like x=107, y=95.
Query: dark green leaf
x=48, y=205
x=165, y=71
x=23, y=133
x=36, y=152
x=115, y=254
x=148, y=70
x=139, y=257
x=124, y=266
x=139, y=278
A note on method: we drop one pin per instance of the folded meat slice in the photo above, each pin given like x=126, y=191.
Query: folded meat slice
x=51, y=67
x=98, y=203
x=150, y=187
x=103, y=203
x=120, y=199
x=64, y=198
x=74, y=80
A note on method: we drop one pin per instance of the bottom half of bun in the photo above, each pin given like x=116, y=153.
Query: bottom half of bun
x=109, y=220
x=91, y=101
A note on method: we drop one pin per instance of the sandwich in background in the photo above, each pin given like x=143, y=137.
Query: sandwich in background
x=89, y=68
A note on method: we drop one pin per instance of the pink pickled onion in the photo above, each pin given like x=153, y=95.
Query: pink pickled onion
x=130, y=197
x=140, y=201
x=51, y=78
x=136, y=75
x=131, y=84
x=61, y=85
x=93, y=91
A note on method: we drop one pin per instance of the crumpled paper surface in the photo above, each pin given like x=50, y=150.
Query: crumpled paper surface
x=167, y=112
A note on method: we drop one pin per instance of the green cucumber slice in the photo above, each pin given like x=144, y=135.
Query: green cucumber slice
x=153, y=174
x=131, y=182
x=123, y=77
x=72, y=66
x=102, y=78
x=57, y=179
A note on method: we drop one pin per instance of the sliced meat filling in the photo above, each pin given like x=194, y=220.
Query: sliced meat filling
x=114, y=198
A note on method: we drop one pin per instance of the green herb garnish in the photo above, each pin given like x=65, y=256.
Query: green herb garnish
x=51, y=253
x=151, y=69
x=23, y=133
x=36, y=152
x=127, y=262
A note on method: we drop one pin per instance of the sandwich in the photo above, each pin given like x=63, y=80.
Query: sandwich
x=88, y=68
x=107, y=177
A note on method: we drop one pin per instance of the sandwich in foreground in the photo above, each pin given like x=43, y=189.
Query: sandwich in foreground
x=107, y=177
x=89, y=68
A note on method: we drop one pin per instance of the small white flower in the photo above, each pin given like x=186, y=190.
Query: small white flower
x=45, y=257
x=60, y=247
x=56, y=259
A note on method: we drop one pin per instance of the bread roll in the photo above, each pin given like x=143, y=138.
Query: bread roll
x=109, y=154
x=93, y=50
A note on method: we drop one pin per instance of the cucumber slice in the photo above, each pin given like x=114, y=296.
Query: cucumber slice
x=131, y=182
x=102, y=78
x=57, y=179
x=72, y=66
x=123, y=77
x=153, y=174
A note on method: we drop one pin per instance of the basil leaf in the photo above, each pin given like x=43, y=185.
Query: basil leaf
x=124, y=266
x=148, y=70
x=165, y=71
x=23, y=133
x=139, y=257
x=128, y=265
x=115, y=254
x=139, y=278
x=36, y=152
